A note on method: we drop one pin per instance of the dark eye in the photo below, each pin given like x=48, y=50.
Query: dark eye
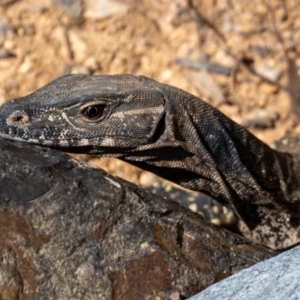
x=94, y=112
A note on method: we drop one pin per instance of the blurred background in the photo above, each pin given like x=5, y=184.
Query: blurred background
x=240, y=56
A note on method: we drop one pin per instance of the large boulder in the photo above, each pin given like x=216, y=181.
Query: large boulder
x=71, y=231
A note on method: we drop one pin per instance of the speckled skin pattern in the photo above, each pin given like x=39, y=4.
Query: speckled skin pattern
x=171, y=133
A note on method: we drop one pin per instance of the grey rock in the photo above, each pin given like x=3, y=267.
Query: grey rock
x=71, y=7
x=6, y=29
x=207, y=86
x=277, y=278
x=204, y=65
x=71, y=231
x=261, y=50
x=261, y=118
x=269, y=72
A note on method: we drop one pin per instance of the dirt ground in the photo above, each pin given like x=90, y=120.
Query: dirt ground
x=41, y=40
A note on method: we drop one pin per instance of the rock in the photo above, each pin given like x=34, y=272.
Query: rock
x=91, y=63
x=276, y=278
x=6, y=29
x=261, y=49
x=81, y=70
x=147, y=179
x=71, y=231
x=269, y=72
x=174, y=296
x=208, y=87
x=26, y=66
x=205, y=65
x=262, y=118
x=5, y=53
x=71, y=7
x=100, y=9
x=9, y=45
x=225, y=60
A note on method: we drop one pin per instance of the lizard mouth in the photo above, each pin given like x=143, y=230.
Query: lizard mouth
x=27, y=140
x=66, y=146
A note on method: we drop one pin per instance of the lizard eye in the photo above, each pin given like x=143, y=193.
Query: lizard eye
x=94, y=112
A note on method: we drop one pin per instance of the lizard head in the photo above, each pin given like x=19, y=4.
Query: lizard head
x=81, y=111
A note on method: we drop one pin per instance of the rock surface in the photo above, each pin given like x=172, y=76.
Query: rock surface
x=70, y=231
x=276, y=278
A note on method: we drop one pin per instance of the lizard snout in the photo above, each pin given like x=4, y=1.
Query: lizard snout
x=18, y=119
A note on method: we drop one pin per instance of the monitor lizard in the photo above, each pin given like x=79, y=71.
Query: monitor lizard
x=171, y=133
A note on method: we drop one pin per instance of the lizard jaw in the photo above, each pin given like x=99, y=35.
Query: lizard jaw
x=22, y=140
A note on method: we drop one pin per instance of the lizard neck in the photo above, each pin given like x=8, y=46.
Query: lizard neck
x=207, y=152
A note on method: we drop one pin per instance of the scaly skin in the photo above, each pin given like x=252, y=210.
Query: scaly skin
x=171, y=133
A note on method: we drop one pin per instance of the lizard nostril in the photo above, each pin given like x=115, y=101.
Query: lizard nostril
x=17, y=119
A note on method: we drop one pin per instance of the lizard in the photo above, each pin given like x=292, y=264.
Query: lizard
x=167, y=131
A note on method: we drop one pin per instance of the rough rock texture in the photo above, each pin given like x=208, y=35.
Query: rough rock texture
x=70, y=231
x=277, y=278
